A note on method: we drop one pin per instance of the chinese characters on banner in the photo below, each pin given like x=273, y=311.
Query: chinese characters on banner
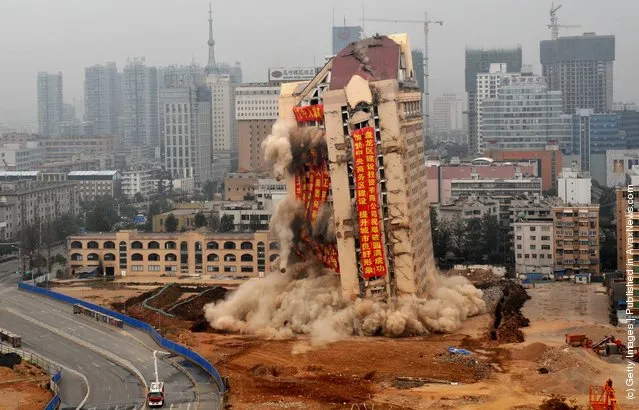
x=365, y=162
x=309, y=113
x=312, y=189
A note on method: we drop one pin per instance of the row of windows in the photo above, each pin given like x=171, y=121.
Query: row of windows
x=170, y=257
x=169, y=245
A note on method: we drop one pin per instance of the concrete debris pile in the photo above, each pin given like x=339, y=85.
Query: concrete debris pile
x=475, y=276
x=492, y=296
x=480, y=370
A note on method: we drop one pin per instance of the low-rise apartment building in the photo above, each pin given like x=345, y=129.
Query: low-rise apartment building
x=576, y=244
x=28, y=202
x=133, y=253
x=533, y=246
x=94, y=184
x=469, y=208
x=137, y=180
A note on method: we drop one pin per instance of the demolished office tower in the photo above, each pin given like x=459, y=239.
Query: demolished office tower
x=350, y=145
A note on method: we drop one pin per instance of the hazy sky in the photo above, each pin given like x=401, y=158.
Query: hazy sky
x=69, y=35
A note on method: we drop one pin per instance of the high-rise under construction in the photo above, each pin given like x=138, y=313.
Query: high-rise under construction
x=358, y=172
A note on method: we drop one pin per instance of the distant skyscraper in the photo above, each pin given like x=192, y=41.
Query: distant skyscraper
x=582, y=69
x=628, y=123
x=102, y=98
x=343, y=36
x=50, y=104
x=140, y=109
x=595, y=134
x=447, y=115
x=418, y=68
x=256, y=109
x=186, y=117
x=524, y=115
x=479, y=61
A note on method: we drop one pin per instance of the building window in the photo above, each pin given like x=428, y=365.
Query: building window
x=518, y=246
x=212, y=268
x=519, y=237
x=533, y=229
x=154, y=245
x=154, y=268
x=172, y=268
x=534, y=256
x=519, y=256
x=212, y=257
x=526, y=256
x=545, y=238
x=212, y=245
x=136, y=257
x=229, y=258
x=229, y=245
x=137, y=268
x=533, y=238
x=231, y=269
x=92, y=245
x=76, y=245
x=246, y=245
x=136, y=245
x=545, y=247
x=247, y=269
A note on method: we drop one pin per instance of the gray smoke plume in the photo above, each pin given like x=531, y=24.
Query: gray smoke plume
x=277, y=147
x=306, y=300
x=287, y=211
x=305, y=297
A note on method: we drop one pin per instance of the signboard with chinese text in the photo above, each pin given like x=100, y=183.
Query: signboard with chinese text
x=309, y=113
x=365, y=165
x=291, y=73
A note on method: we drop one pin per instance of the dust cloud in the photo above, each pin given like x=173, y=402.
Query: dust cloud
x=304, y=297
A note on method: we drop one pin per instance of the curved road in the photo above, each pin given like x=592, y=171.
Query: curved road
x=103, y=354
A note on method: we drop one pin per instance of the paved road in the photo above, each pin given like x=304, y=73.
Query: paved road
x=50, y=328
x=8, y=269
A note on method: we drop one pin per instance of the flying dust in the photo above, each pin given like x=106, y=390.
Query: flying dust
x=304, y=297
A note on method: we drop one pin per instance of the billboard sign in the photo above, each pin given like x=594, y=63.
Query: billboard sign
x=284, y=74
x=309, y=113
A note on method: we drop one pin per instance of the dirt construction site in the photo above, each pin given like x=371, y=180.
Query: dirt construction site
x=512, y=357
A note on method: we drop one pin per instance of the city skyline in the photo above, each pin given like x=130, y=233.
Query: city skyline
x=262, y=42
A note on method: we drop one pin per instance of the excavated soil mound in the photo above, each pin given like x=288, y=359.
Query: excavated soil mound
x=193, y=309
x=166, y=298
x=135, y=300
x=532, y=352
x=508, y=316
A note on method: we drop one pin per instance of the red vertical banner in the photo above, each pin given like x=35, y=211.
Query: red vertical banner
x=365, y=165
x=298, y=187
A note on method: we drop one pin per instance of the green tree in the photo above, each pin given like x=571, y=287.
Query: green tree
x=29, y=243
x=255, y=223
x=138, y=197
x=208, y=189
x=457, y=237
x=170, y=225
x=473, y=241
x=227, y=223
x=442, y=235
x=101, y=214
x=200, y=220
x=491, y=239
x=214, y=222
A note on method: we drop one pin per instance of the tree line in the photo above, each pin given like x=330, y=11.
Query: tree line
x=470, y=241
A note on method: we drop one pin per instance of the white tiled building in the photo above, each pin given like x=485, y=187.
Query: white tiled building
x=533, y=246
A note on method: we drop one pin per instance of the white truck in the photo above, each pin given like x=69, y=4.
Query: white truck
x=155, y=397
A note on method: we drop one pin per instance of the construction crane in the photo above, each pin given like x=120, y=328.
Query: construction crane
x=426, y=22
x=554, y=25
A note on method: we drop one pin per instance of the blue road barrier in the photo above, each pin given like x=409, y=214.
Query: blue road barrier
x=138, y=324
x=55, y=401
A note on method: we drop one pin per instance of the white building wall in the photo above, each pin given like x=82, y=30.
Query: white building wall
x=224, y=138
x=256, y=102
x=574, y=187
x=533, y=247
x=137, y=181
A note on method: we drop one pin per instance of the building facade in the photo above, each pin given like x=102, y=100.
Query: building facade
x=448, y=114
x=551, y=162
x=72, y=148
x=576, y=244
x=524, y=115
x=618, y=163
x=21, y=157
x=94, y=184
x=187, y=131
x=50, y=104
x=533, y=242
x=40, y=202
x=479, y=61
x=137, y=181
x=141, y=125
x=468, y=208
x=595, y=134
x=256, y=107
x=628, y=122
x=103, y=99
x=193, y=253
x=581, y=67
x=496, y=187
x=224, y=133
x=574, y=187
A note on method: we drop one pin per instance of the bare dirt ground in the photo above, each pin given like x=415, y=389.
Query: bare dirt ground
x=364, y=371
x=23, y=388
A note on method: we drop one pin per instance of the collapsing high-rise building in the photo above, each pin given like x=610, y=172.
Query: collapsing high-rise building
x=357, y=169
